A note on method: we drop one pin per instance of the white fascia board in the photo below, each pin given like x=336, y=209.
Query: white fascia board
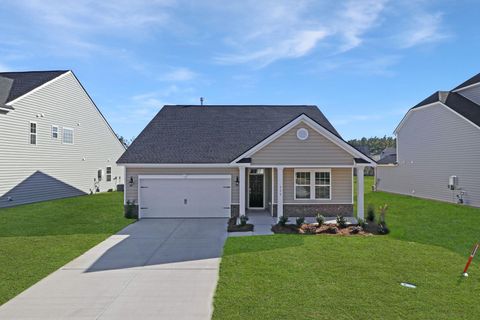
x=6, y=109
x=321, y=130
x=181, y=165
x=300, y=166
x=184, y=176
x=38, y=88
x=467, y=87
x=436, y=103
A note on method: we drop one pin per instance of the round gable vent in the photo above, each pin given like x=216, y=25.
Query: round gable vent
x=302, y=134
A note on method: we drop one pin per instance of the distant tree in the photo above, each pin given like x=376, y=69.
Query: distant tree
x=375, y=144
x=126, y=142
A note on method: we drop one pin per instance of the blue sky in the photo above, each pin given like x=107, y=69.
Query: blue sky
x=364, y=63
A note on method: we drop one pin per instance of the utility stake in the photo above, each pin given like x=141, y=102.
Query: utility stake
x=474, y=252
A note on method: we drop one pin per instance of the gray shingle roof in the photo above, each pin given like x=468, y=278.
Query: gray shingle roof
x=212, y=134
x=389, y=159
x=472, y=80
x=457, y=103
x=24, y=82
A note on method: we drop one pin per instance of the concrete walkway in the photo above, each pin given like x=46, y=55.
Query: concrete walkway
x=153, y=269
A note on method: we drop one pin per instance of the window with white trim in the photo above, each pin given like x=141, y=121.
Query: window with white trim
x=54, y=132
x=109, y=174
x=67, y=135
x=33, y=133
x=312, y=185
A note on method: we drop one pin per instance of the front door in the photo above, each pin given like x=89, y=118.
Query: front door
x=255, y=187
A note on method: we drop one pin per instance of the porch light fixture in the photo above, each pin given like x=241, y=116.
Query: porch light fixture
x=130, y=181
x=237, y=181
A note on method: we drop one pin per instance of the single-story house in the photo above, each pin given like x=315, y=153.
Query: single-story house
x=223, y=161
x=438, y=148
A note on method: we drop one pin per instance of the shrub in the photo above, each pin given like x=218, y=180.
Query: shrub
x=320, y=219
x=283, y=220
x=243, y=220
x=370, y=213
x=362, y=223
x=383, y=210
x=341, y=221
x=299, y=221
x=130, y=210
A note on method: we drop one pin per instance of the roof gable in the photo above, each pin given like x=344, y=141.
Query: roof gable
x=24, y=82
x=212, y=134
x=473, y=80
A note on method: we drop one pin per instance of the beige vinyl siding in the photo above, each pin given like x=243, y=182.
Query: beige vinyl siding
x=132, y=191
x=434, y=144
x=472, y=93
x=289, y=150
x=51, y=169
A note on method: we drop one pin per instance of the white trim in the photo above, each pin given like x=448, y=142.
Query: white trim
x=273, y=190
x=312, y=203
x=180, y=165
x=226, y=165
x=6, y=109
x=313, y=185
x=248, y=193
x=30, y=133
x=63, y=135
x=315, y=126
x=37, y=88
x=241, y=195
x=177, y=176
x=436, y=103
x=185, y=176
x=279, y=192
x=51, y=131
x=467, y=87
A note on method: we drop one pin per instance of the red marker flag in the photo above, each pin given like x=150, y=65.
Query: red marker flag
x=474, y=252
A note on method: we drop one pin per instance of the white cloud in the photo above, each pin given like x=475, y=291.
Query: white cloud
x=298, y=45
x=178, y=74
x=356, y=18
x=424, y=28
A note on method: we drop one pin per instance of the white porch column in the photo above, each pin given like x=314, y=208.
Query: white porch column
x=279, y=192
x=241, y=185
x=360, y=192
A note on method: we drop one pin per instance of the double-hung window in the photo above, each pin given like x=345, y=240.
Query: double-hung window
x=33, y=133
x=312, y=184
x=109, y=174
x=67, y=135
x=54, y=132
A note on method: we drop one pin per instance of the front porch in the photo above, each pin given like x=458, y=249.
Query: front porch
x=267, y=193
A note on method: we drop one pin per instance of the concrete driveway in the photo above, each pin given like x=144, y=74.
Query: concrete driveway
x=153, y=269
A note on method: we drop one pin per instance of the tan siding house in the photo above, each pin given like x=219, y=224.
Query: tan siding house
x=54, y=142
x=234, y=160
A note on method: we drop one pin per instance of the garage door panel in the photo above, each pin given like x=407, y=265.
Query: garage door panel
x=184, y=196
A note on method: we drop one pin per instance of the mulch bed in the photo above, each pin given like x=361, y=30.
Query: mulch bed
x=312, y=228
x=233, y=227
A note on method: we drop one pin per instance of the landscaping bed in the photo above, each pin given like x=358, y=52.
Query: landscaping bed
x=234, y=227
x=313, y=228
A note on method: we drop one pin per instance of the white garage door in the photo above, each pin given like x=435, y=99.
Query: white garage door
x=184, y=196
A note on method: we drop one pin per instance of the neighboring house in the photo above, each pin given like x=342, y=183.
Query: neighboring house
x=220, y=161
x=54, y=142
x=388, y=156
x=438, y=144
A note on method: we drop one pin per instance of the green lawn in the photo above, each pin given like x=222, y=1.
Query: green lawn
x=37, y=239
x=325, y=277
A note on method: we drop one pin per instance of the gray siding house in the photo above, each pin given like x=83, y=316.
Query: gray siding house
x=438, y=148
x=226, y=161
x=54, y=142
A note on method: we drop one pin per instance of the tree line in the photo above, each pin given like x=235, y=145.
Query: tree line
x=375, y=144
